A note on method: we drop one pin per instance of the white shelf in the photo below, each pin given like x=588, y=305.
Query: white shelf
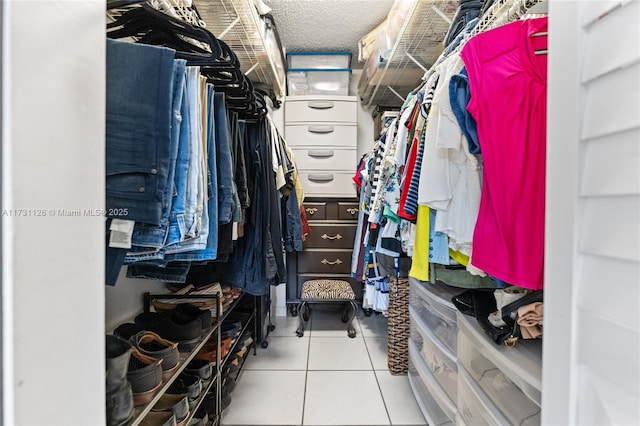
x=237, y=23
x=420, y=38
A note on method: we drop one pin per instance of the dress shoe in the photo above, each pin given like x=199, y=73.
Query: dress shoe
x=145, y=375
x=159, y=418
x=178, y=404
x=189, y=385
x=149, y=343
x=210, y=349
x=185, y=312
x=201, y=368
x=186, y=332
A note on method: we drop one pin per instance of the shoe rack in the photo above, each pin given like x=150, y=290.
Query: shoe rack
x=238, y=306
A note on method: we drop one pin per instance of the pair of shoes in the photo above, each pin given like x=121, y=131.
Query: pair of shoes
x=178, y=404
x=231, y=329
x=186, y=330
x=209, y=350
x=119, y=397
x=149, y=343
x=187, y=385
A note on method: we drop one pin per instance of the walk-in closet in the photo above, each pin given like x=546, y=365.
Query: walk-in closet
x=320, y=212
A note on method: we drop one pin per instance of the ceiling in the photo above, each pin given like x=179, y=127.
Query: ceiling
x=329, y=25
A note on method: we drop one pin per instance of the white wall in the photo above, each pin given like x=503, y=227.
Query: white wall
x=591, y=353
x=53, y=148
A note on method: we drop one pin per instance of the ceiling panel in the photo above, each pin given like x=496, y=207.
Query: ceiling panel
x=329, y=25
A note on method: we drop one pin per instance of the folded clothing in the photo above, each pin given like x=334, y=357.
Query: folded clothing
x=530, y=320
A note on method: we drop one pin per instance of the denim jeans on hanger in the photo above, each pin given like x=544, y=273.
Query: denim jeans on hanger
x=148, y=238
x=468, y=10
x=210, y=251
x=138, y=133
x=459, y=96
x=225, y=167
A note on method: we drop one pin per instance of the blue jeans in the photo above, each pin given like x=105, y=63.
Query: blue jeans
x=151, y=237
x=195, y=139
x=225, y=167
x=210, y=251
x=467, y=11
x=138, y=133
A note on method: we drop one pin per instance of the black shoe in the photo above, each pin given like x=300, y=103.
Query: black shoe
x=189, y=385
x=185, y=312
x=200, y=368
x=177, y=404
x=187, y=332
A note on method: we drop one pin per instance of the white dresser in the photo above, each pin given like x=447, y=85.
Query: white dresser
x=322, y=132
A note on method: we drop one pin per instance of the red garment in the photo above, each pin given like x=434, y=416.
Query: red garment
x=411, y=164
x=306, y=228
x=508, y=85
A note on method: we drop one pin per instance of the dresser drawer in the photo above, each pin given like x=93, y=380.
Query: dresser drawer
x=327, y=184
x=323, y=134
x=324, y=261
x=325, y=159
x=348, y=211
x=315, y=211
x=331, y=109
x=331, y=236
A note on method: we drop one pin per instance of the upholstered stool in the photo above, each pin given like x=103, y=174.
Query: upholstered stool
x=328, y=291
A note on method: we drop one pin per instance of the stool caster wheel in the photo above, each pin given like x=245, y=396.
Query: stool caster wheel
x=299, y=333
x=367, y=312
x=271, y=327
x=264, y=344
x=351, y=333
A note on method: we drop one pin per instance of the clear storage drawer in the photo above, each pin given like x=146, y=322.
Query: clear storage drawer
x=301, y=81
x=436, y=356
x=319, y=60
x=509, y=377
x=432, y=303
x=430, y=399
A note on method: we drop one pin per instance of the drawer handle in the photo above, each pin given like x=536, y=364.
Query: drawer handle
x=320, y=178
x=316, y=153
x=320, y=129
x=329, y=237
x=353, y=211
x=321, y=105
x=311, y=211
x=328, y=262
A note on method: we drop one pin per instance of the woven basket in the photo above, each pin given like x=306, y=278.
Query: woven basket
x=398, y=323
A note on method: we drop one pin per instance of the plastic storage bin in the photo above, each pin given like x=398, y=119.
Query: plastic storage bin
x=473, y=406
x=319, y=60
x=432, y=303
x=509, y=377
x=430, y=398
x=307, y=81
x=437, y=358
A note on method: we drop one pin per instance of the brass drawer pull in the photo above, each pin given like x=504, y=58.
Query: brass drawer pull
x=328, y=237
x=327, y=262
x=311, y=210
x=353, y=211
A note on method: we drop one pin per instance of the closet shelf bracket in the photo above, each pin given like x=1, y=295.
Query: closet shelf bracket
x=441, y=14
x=253, y=67
x=415, y=61
x=226, y=30
x=396, y=93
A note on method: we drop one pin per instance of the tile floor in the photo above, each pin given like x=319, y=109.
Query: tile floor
x=323, y=378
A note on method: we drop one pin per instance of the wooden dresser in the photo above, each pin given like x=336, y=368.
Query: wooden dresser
x=322, y=133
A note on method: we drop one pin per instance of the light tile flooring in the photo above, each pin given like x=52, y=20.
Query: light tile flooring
x=323, y=378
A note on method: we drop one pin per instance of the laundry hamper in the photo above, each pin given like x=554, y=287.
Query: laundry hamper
x=398, y=326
